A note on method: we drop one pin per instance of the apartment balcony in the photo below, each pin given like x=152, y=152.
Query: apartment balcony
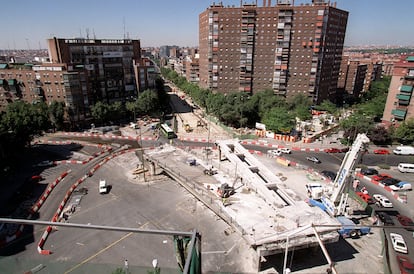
x=399, y=113
x=404, y=97
x=406, y=88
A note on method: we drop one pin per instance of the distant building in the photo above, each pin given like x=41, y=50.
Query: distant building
x=400, y=103
x=288, y=49
x=352, y=77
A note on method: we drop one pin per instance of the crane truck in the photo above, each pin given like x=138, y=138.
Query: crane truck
x=334, y=202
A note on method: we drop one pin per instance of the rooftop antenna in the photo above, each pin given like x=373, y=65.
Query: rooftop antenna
x=94, y=36
x=28, y=45
x=87, y=33
x=123, y=21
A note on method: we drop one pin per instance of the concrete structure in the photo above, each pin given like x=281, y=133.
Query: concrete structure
x=262, y=208
x=289, y=49
x=400, y=104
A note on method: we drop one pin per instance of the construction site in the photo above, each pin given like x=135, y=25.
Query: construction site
x=271, y=217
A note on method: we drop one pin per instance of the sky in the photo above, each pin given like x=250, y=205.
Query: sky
x=27, y=24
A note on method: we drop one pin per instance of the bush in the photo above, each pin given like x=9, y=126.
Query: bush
x=384, y=166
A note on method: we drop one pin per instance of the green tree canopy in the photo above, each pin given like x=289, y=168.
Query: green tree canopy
x=279, y=120
x=404, y=133
x=57, y=114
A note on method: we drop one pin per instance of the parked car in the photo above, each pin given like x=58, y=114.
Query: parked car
x=332, y=150
x=385, y=218
x=406, y=221
x=36, y=178
x=369, y=171
x=382, y=201
x=313, y=159
x=401, y=186
x=398, y=243
x=381, y=176
x=381, y=151
x=405, y=265
x=329, y=174
x=406, y=167
x=366, y=197
x=345, y=149
x=390, y=181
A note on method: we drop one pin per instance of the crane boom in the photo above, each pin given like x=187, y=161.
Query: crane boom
x=336, y=202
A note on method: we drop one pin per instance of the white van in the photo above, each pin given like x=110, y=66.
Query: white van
x=406, y=167
x=103, y=187
x=404, y=150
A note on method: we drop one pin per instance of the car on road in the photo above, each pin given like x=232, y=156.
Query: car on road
x=382, y=201
x=313, y=159
x=285, y=150
x=381, y=176
x=381, y=151
x=390, y=181
x=329, y=174
x=332, y=150
x=398, y=243
x=385, y=218
x=406, y=221
x=274, y=152
x=45, y=163
x=405, y=265
x=369, y=171
x=401, y=186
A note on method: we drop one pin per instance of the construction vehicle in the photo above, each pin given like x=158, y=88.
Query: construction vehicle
x=225, y=191
x=334, y=202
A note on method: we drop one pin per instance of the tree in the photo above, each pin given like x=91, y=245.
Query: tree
x=379, y=136
x=279, y=120
x=404, y=133
x=57, y=114
x=147, y=102
x=328, y=106
x=354, y=124
x=100, y=112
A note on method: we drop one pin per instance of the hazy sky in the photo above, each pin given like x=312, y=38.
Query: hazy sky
x=28, y=23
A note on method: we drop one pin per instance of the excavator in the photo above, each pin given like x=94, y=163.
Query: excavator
x=225, y=190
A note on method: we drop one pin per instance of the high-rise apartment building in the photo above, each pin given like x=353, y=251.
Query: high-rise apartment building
x=289, y=49
x=109, y=64
x=352, y=75
x=400, y=103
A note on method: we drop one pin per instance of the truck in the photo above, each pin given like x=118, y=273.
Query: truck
x=350, y=229
x=334, y=202
x=404, y=150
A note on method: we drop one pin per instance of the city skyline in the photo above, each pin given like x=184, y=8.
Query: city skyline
x=163, y=22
